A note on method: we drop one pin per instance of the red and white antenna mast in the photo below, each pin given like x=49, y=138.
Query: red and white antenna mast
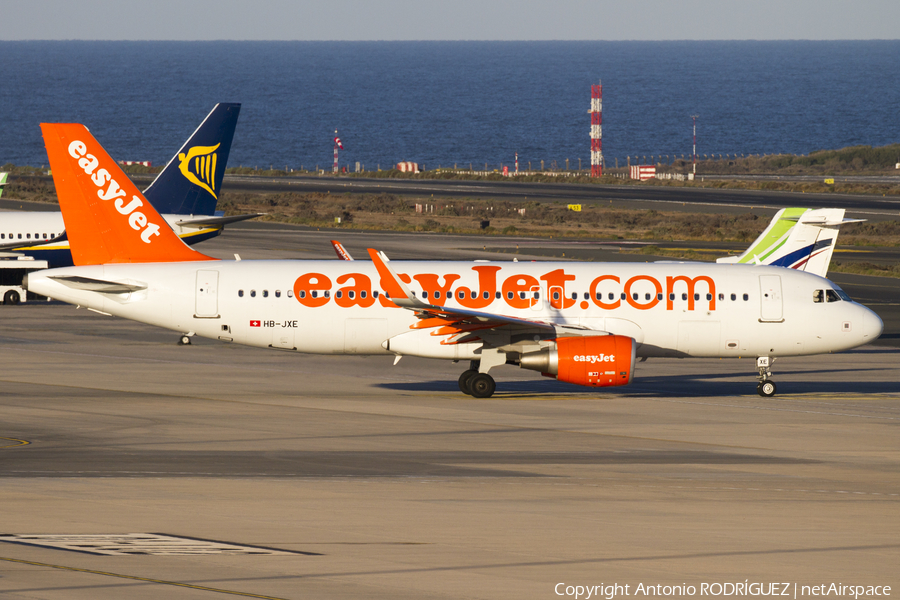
x=596, y=130
x=337, y=144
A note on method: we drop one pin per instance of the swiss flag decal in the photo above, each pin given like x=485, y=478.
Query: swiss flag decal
x=254, y=323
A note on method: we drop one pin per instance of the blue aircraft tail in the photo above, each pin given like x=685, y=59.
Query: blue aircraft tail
x=191, y=182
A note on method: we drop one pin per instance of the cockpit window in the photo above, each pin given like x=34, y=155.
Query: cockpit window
x=819, y=296
x=832, y=296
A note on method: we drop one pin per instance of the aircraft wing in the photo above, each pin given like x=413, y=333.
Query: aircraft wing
x=216, y=221
x=460, y=321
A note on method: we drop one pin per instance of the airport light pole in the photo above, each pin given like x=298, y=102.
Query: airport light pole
x=694, y=155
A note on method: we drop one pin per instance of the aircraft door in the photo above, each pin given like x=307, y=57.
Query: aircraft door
x=207, y=296
x=770, y=300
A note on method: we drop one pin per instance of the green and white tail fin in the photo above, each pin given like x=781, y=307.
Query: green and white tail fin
x=3, y=177
x=797, y=238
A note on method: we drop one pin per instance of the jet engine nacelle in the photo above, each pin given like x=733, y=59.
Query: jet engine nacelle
x=597, y=360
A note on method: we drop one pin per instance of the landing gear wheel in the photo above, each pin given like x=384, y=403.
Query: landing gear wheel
x=185, y=340
x=465, y=381
x=766, y=388
x=11, y=297
x=482, y=385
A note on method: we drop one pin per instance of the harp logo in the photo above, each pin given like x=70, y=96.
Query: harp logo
x=199, y=166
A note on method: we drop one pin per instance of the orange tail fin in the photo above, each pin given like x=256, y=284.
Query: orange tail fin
x=107, y=218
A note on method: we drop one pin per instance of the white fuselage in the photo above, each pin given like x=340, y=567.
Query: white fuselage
x=33, y=228
x=670, y=309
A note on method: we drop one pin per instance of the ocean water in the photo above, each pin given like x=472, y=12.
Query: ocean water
x=445, y=103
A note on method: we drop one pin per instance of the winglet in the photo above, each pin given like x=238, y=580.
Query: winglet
x=340, y=250
x=392, y=284
x=107, y=219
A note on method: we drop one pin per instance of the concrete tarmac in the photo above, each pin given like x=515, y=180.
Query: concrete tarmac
x=381, y=481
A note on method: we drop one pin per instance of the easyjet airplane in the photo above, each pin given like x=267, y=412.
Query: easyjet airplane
x=580, y=323
x=186, y=192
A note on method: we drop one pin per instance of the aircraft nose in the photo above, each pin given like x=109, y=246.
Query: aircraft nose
x=871, y=325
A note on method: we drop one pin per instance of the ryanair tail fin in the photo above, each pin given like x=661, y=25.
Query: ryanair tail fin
x=191, y=182
x=797, y=238
x=107, y=219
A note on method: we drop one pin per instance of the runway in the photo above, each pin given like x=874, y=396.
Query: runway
x=347, y=477
x=868, y=206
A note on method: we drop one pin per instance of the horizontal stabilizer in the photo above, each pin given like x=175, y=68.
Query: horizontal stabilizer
x=98, y=285
x=216, y=221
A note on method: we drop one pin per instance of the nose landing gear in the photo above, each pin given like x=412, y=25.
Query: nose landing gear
x=766, y=387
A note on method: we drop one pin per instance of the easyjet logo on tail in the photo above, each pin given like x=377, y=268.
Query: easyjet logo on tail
x=199, y=166
x=109, y=189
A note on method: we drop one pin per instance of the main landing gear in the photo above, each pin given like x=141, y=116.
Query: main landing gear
x=473, y=383
x=185, y=339
x=765, y=387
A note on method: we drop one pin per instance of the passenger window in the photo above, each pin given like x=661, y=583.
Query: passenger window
x=746, y=297
x=819, y=296
x=278, y=293
x=314, y=294
x=659, y=296
x=624, y=297
x=351, y=294
x=301, y=294
x=831, y=296
x=574, y=295
x=556, y=295
x=537, y=295
x=486, y=295
x=521, y=295
x=696, y=296
x=290, y=293
x=721, y=296
x=599, y=296
x=20, y=236
x=265, y=293
x=474, y=295
x=498, y=295
x=611, y=296
x=509, y=295
x=461, y=295
x=362, y=293
x=634, y=296
x=587, y=296
x=240, y=293
x=375, y=294
x=709, y=296
x=733, y=297
x=684, y=296
x=253, y=293
x=671, y=296
x=327, y=294
x=646, y=296
x=28, y=235
x=425, y=295
x=339, y=294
